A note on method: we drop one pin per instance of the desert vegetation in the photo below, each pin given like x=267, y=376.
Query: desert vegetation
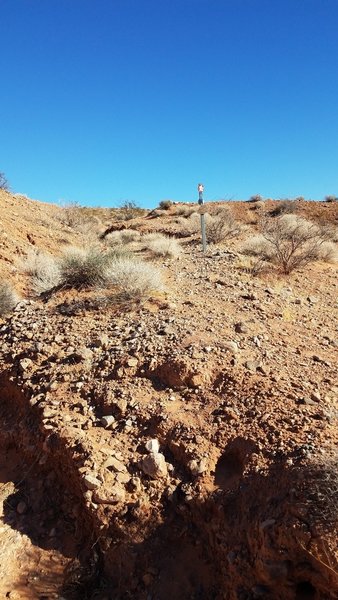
x=163, y=370
x=8, y=298
x=291, y=242
x=3, y=182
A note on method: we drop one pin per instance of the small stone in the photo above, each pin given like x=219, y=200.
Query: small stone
x=83, y=354
x=25, y=364
x=267, y=523
x=153, y=446
x=251, y=365
x=309, y=402
x=100, y=341
x=197, y=467
x=115, y=464
x=132, y=362
x=231, y=347
x=112, y=496
x=91, y=482
x=155, y=466
x=21, y=508
x=107, y=421
x=316, y=396
x=136, y=484
x=241, y=328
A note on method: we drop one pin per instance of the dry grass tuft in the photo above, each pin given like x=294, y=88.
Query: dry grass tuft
x=182, y=210
x=81, y=268
x=135, y=279
x=8, y=298
x=43, y=270
x=164, y=246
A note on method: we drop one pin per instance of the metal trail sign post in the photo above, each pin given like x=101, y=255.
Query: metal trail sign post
x=200, y=189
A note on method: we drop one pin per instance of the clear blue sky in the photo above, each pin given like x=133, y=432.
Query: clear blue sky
x=104, y=101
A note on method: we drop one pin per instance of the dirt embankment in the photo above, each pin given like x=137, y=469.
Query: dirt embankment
x=180, y=448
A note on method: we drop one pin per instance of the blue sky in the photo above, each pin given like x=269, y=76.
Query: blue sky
x=103, y=101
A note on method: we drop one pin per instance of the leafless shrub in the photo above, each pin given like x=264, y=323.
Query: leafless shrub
x=164, y=246
x=284, y=207
x=136, y=279
x=294, y=241
x=3, y=182
x=72, y=215
x=256, y=198
x=331, y=198
x=220, y=228
x=43, y=270
x=8, y=298
x=129, y=210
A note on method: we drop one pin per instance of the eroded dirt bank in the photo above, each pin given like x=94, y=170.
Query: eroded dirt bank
x=231, y=529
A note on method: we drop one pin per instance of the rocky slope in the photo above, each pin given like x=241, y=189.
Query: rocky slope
x=181, y=447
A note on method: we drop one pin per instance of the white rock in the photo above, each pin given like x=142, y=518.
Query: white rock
x=108, y=420
x=153, y=446
x=155, y=466
x=91, y=482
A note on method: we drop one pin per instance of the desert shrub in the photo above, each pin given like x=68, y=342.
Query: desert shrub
x=153, y=235
x=135, y=279
x=328, y=252
x=256, y=198
x=319, y=487
x=114, y=238
x=257, y=205
x=164, y=246
x=43, y=270
x=221, y=227
x=253, y=265
x=130, y=235
x=84, y=267
x=165, y=204
x=183, y=210
x=257, y=246
x=129, y=210
x=284, y=207
x=72, y=215
x=189, y=225
x=8, y=298
x=331, y=198
x=3, y=182
x=294, y=241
